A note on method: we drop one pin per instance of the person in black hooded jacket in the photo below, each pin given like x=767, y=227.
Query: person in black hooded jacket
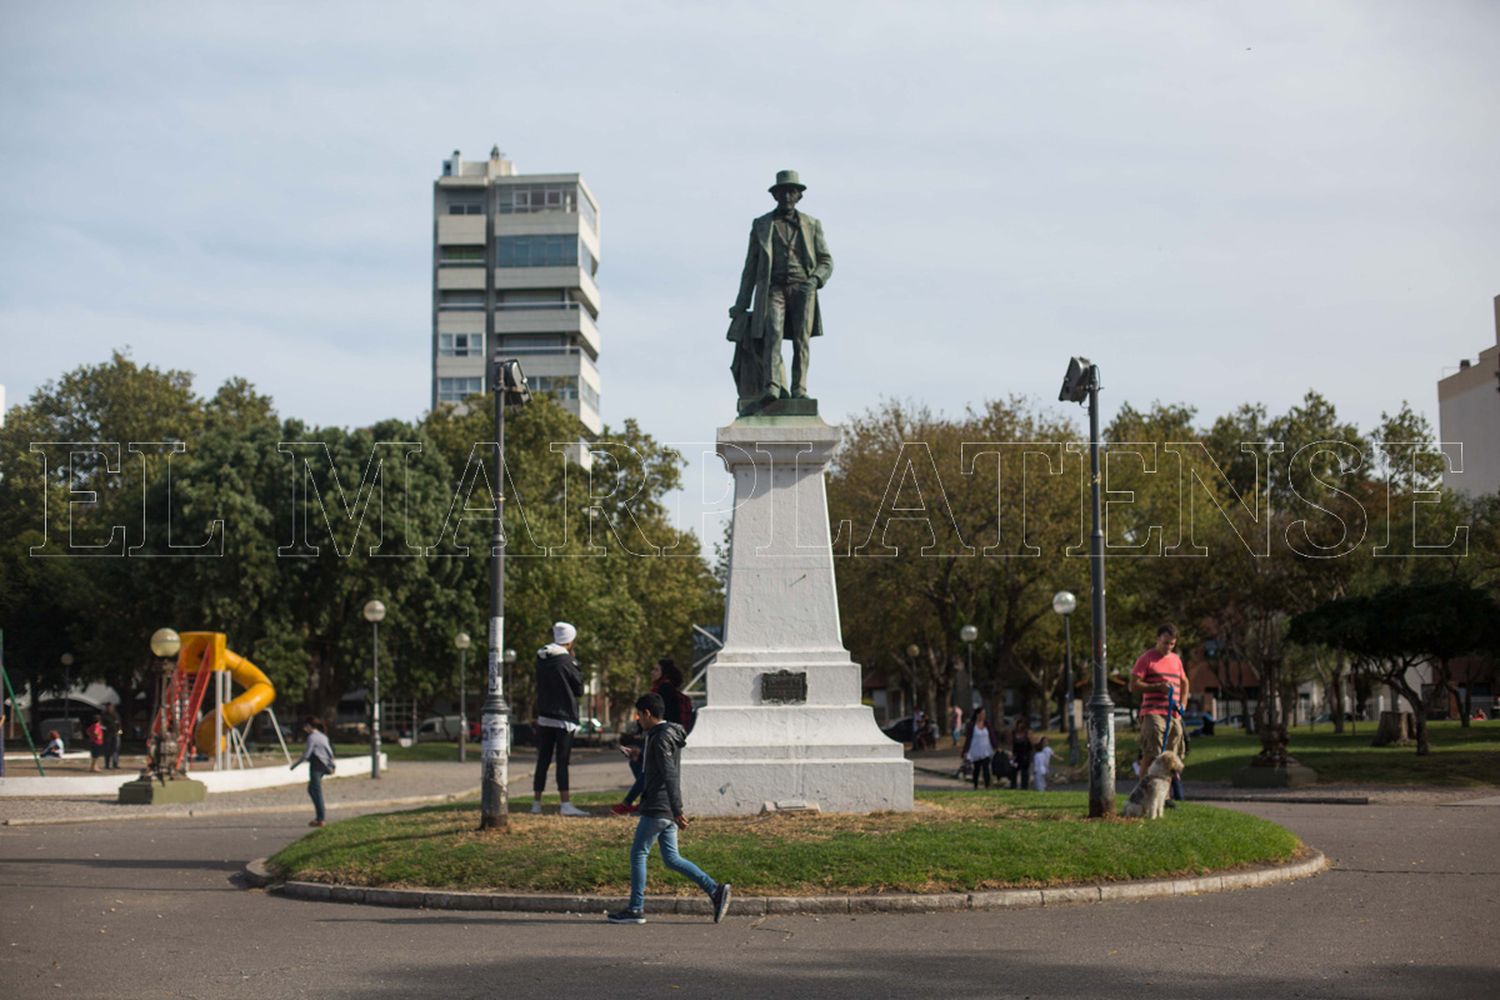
x=558, y=685
x=661, y=813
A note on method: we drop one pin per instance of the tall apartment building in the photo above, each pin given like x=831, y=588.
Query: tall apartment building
x=513, y=263
x=1469, y=412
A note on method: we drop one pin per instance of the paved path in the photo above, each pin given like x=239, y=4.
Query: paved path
x=405, y=780
x=149, y=909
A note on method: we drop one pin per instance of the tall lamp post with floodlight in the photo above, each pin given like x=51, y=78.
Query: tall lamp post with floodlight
x=508, y=386
x=1081, y=384
x=374, y=614
x=461, y=642
x=1064, y=603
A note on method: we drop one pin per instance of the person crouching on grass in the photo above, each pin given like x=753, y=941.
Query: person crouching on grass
x=661, y=812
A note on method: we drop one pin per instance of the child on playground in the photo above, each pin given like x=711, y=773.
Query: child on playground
x=54, y=747
x=1041, y=764
x=661, y=812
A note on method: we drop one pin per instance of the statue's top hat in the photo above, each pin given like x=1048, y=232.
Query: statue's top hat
x=787, y=178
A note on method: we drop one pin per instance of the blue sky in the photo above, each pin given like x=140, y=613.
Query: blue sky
x=1218, y=202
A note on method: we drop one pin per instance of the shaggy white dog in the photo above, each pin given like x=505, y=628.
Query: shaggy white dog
x=1150, y=795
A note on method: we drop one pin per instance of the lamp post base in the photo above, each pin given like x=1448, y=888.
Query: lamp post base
x=150, y=792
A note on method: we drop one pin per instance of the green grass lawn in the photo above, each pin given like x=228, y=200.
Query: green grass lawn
x=1460, y=757
x=956, y=841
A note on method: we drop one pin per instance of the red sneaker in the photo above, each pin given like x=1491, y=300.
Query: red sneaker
x=621, y=809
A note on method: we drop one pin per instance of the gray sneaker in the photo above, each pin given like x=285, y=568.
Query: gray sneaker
x=721, y=900
x=627, y=916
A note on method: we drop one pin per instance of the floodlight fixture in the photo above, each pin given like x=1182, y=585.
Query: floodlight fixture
x=1081, y=377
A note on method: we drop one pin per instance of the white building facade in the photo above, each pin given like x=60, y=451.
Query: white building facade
x=1469, y=415
x=513, y=266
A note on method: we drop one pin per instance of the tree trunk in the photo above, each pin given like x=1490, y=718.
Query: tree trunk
x=1395, y=730
x=1414, y=699
x=1336, y=697
x=1468, y=700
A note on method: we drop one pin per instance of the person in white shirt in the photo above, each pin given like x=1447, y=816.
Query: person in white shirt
x=979, y=746
x=1041, y=763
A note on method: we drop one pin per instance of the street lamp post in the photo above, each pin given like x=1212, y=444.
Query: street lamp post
x=968, y=634
x=510, y=668
x=1080, y=384
x=1064, y=603
x=374, y=614
x=165, y=645
x=461, y=642
x=912, y=652
x=508, y=384
x=67, y=665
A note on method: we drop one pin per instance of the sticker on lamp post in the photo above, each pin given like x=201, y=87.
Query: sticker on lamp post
x=494, y=737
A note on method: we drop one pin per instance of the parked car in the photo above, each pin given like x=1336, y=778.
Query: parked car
x=590, y=731
x=439, y=728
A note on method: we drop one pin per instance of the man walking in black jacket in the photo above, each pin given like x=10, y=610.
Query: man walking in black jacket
x=558, y=685
x=661, y=813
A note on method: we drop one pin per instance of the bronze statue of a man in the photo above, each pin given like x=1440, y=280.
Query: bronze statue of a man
x=788, y=261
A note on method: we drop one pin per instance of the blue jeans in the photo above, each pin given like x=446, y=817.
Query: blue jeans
x=639, y=770
x=315, y=788
x=647, y=832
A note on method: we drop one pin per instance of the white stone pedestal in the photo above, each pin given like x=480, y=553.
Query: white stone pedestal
x=781, y=618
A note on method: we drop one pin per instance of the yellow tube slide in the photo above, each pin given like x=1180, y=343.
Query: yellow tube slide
x=207, y=651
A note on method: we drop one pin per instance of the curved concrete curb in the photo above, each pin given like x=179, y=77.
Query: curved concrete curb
x=410, y=800
x=258, y=875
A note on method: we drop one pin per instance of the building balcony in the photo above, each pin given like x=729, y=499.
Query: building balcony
x=460, y=279
x=574, y=321
x=568, y=276
x=462, y=230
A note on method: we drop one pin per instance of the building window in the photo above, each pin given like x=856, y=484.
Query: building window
x=461, y=257
x=561, y=386
x=466, y=208
x=461, y=345
x=586, y=260
x=524, y=199
x=537, y=251
x=467, y=300
x=590, y=395
x=456, y=390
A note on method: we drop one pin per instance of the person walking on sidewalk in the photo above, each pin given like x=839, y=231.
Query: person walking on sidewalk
x=661, y=814
x=95, y=736
x=1158, y=676
x=666, y=680
x=979, y=746
x=1041, y=765
x=318, y=755
x=1021, y=750
x=558, y=685
x=113, y=730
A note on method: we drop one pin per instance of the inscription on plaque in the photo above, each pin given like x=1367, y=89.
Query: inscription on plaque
x=784, y=687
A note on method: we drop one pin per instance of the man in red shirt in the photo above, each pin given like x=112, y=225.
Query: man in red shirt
x=1157, y=673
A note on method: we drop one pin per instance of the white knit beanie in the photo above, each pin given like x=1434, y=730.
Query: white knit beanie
x=563, y=633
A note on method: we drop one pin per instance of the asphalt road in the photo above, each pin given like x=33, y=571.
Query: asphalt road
x=151, y=909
